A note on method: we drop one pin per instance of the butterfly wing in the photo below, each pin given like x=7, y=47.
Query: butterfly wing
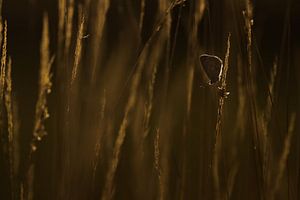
x=212, y=66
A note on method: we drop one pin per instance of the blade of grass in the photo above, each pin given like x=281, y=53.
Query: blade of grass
x=218, y=138
x=3, y=64
x=69, y=26
x=283, y=157
x=251, y=92
x=78, y=48
x=9, y=111
x=102, y=8
x=157, y=165
x=41, y=112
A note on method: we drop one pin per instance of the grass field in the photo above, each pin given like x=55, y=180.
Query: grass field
x=108, y=99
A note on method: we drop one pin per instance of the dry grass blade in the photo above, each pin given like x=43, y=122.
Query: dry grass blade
x=78, y=48
x=1, y=25
x=142, y=14
x=218, y=137
x=2, y=78
x=157, y=165
x=99, y=137
x=5, y=93
x=8, y=101
x=3, y=66
x=249, y=22
x=189, y=87
x=284, y=156
x=251, y=92
x=9, y=111
x=267, y=114
x=61, y=23
x=69, y=26
x=102, y=9
x=272, y=91
x=265, y=119
x=226, y=64
x=41, y=113
x=148, y=109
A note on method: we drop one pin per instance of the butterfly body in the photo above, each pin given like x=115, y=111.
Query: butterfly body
x=212, y=66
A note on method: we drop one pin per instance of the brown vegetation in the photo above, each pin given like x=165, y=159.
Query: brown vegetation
x=119, y=112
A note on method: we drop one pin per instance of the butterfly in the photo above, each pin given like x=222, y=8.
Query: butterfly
x=212, y=66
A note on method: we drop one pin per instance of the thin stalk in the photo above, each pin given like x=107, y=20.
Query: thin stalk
x=218, y=137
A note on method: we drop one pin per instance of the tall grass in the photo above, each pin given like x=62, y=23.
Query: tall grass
x=122, y=111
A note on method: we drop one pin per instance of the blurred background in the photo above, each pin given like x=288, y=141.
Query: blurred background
x=131, y=114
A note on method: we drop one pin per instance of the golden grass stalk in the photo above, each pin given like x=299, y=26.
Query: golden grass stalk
x=218, y=137
x=1, y=25
x=249, y=22
x=265, y=119
x=78, y=48
x=2, y=75
x=251, y=90
x=271, y=87
x=3, y=65
x=102, y=8
x=9, y=111
x=62, y=5
x=189, y=85
x=157, y=165
x=226, y=63
x=69, y=26
x=8, y=101
x=142, y=14
x=284, y=156
x=100, y=135
x=148, y=109
x=41, y=111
